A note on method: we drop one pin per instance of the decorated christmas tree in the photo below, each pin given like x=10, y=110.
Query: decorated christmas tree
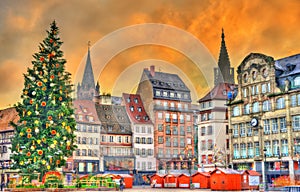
x=44, y=136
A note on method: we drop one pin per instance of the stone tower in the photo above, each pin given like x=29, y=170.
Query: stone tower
x=223, y=73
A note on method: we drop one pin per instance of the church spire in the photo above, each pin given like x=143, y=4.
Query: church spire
x=87, y=88
x=224, y=73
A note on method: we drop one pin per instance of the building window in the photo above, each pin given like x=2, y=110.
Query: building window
x=181, y=118
x=284, y=147
x=235, y=130
x=103, y=138
x=131, y=108
x=297, y=81
x=203, y=145
x=280, y=103
x=250, y=150
x=143, y=140
x=188, y=118
x=282, y=124
x=210, y=116
x=78, y=140
x=203, y=117
x=83, y=153
x=245, y=92
x=143, y=129
x=119, y=139
x=249, y=129
x=167, y=118
x=274, y=125
x=182, y=132
x=296, y=123
x=188, y=129
x=236, y=152
x=160, y=127
x=264, y=88
x=243, y=129
x=293, y=100
x=255, y=107
x=210, y=144
x=111, y=139
x=83, y=140
x=90, y=152
x=175, y=130
x=268, y=148
x=77, y=152
x=168, y=141
x=137, y=140
x=202, y=131
x=137, y=151
x=91, y=141
x=243, y=150
x=266, y=105
x=160, y=139
x=182, y=143
x=246, y=109
x=266, y=126
x=236, y=111
x=174, y=118
x=149, y=130
x=175, y=142
x=159, y=115
x=256, y=148
x=150, y=152
x=168, y=130
x=209, y=130
x=275, y=144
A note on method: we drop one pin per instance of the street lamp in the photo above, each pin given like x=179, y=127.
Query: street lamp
x=265, y=169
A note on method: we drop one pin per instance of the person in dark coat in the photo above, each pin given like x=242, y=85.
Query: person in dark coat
x=121, y=184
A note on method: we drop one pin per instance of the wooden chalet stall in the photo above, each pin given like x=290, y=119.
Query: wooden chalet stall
x=251, y=180
x=128, y=179
x=183, y=181
x=201, y=180
x=170, y=181
x=225, y=180
x=158, y=179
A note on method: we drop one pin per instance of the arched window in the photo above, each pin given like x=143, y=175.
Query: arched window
x=266, y=105
x=246, y=109
x=255, y=107
x=297, y=81
x=236, y=111
x=280, y=103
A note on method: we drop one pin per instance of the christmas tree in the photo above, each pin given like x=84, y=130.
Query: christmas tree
x=44, y=136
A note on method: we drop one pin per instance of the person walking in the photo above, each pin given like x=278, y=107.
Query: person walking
x=121, y=184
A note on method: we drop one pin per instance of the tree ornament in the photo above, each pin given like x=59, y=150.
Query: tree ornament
x=42, y=59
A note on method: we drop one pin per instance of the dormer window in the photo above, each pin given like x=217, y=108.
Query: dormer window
x=139, y=109
x=128, y=100
x=245, y=78
x=297, y=81
x=138, y=117
x=131, y=108
x=135, y=100
x=254, y=75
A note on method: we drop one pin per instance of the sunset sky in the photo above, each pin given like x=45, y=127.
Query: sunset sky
x=270, y=27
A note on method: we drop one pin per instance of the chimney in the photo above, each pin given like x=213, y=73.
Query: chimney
x=152, y=70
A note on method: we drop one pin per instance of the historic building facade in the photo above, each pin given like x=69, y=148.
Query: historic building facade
x=167, y=100
x=86, y=156
x=213, y=137
x=265, y=116
x=6, y=133
x=116, y=153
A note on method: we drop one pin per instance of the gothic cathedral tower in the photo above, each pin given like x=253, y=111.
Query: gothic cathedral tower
x=223, y=73
x=87, y=89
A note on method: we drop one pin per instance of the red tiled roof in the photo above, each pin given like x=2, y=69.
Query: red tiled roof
x=6, y=116
x=135, y=115
x=86, y=108
x=218, y=92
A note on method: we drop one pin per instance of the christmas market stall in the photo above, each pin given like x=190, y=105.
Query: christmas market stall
x=183, y=181
x=157, y=180
x=250, y=180
x=225, y=180
x=201, y=180
x=170, y=181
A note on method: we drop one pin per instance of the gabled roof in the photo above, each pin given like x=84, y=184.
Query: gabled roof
x=219, y=92
x=226, y=171
x=166, y=81
x=6, y=116
x=137, y=114
x=252, y=173
x=86, y=108
x=113, y=116
x=206, y=174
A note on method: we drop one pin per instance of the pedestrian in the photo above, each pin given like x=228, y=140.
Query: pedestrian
x=121, y=184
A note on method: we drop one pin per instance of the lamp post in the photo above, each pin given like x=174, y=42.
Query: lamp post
x=265, y=169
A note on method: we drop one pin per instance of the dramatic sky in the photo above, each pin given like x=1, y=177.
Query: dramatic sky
x=270, y=27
